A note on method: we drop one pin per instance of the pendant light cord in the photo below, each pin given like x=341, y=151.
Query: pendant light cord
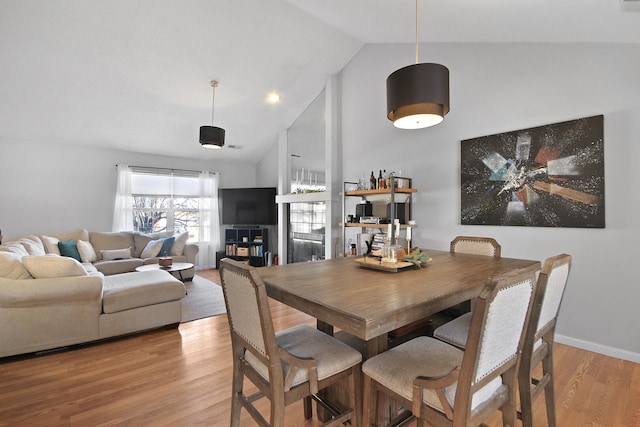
x=214, y=85
x=416, y=31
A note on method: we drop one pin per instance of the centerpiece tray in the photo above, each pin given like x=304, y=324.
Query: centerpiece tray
x=375, y=264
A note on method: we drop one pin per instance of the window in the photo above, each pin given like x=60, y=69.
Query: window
x=151, y=200
x=165, y=202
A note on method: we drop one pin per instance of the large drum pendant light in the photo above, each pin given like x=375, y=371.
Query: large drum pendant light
x=418, y=95
x=212, y=136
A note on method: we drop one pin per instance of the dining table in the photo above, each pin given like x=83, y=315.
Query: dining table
x=370, y=303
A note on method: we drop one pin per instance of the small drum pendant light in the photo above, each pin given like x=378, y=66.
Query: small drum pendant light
x=418, y=94
x=212, y=136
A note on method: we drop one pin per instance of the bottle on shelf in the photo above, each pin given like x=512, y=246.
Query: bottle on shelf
x=381, y=181
x=372, y=182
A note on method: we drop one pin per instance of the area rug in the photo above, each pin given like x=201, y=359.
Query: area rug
x=204, y=299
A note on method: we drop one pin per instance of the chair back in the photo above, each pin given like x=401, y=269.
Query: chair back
x=475, y=245
x=248, y=312
x=496, y=335
x=552, y=283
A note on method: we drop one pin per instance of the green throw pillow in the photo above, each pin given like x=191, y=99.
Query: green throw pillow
x=167, y=244
x=69, y=249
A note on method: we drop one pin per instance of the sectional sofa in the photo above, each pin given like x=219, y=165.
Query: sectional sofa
x=62, y=289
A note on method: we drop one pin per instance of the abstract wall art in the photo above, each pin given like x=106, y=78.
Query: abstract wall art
x=545, y=176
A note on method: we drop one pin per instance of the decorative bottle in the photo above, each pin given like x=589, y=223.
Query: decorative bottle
x=381, y=181
x=372, y=182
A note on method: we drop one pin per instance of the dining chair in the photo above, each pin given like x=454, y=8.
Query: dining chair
x=286, y=366
x=539, y=338
x=445, y=386
x=476, y=246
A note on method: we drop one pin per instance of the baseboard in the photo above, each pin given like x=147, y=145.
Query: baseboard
x=599, y=348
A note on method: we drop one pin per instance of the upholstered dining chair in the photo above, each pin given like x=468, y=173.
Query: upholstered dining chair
x=538, y=345
x=445, y=386
x=286, y=366
x=477, y=246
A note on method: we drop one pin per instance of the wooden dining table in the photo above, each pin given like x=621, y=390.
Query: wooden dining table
x=370, y=303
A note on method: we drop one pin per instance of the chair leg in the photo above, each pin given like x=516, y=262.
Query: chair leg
x=236, y=405
x=368, y=401
x=549, y=393
x=355, y=395
x=509, y=410
x=308, y=410
x=277, y=411
x=526, y=398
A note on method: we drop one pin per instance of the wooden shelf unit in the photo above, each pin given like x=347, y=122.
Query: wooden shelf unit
x=385, y=196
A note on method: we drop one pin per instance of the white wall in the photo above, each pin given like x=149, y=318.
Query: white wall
x=55, y=188
x=504, y=87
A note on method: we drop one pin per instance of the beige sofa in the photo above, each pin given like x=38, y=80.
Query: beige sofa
x=122, y=252
x=49, y=301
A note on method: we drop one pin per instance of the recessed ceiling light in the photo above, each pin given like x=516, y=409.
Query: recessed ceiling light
x=273, y=98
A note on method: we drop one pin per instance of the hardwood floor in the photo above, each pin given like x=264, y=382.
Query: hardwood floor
x=182, y=377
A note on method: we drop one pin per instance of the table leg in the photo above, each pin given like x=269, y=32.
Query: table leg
x=325, y=327
x=376, y=345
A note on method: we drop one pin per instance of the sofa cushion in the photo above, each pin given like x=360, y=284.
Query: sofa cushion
x=69, y=249
x=51, y=240
x=75, y=235
x=51, y=266
x=15, y=248
x=108, y=241
x=115, y=254
x=141, y=241
x=33, y=245
x=91, y=269
x=139, y=289
x=152, y=249
x=51, y=245
x=180, y=242
x=87, y=253
x=11, y=266
x=118, y=266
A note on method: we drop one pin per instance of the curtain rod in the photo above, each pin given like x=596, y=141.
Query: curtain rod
x=168, y=169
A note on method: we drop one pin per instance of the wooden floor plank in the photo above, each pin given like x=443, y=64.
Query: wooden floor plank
x=182, y=377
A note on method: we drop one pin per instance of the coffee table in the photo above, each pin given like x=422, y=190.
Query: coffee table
x=176, y=267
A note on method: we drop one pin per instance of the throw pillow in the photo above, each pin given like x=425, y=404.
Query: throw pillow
x=180, y=242
x=15, y=248
x=140, y=241
x=33, y=245
x=51, y=244
x=152, y=249
x=167, y=244
x=12, y=267
x=69, y=249
x=87, y=253
x=51, y=266
x=113, y=254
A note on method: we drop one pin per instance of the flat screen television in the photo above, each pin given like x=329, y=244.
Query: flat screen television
x=248, y=206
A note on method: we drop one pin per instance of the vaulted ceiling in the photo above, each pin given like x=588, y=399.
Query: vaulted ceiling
x=134, y=75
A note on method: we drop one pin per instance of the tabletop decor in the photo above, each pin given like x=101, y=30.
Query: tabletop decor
x=417, y=257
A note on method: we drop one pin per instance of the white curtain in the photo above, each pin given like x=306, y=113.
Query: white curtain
x=209, y=237
x=123, y=207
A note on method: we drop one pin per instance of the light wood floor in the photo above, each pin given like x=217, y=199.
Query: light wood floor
x=182, y=377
